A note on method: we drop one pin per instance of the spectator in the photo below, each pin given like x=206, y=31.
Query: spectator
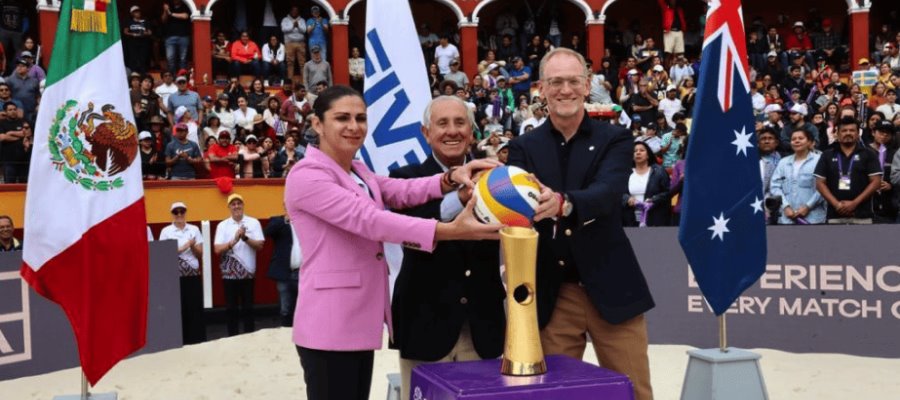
x=151, y=166
x=190, y=248
x=828, y=43
x=317, y=70
x=357, y=69
x=767, y=145
x=793, y=183
x=31, y=46
x=13, y=21
x=271, y=116
x=237, y=241
x=647, y=53
x=644, y=103
x=294, y=29
x=799, y=43
x=427, y=39
x=245, y=117
x=252, y=162
x=890, y=108
x=296, y=107
x=796, y=81
x=537, y=119
x=677, y=184
x=756, y=49
x=637, y=45
x=285, y=159
x=885, y=146
x=221, y=54
x=507, y=50
x=456, y=75
x=671, y=144
x=245, y=57
x=490, y=58
x=671, y=104
x=161, y=135
x=182, y=155
x=651, y=138
x=183, y=116
x=647, y=201
x=256, y=97
x=222, y=156
x=444, y=54
x=24, y=88
x=600, y=89
x=892, y=56
x=316, y=28
x=8, y=242
x=273, y=54
x=12, y=146
x=285, y=264
x=183, y=97
x=138, y=41
x=673, y=24
x=147, y=103
x=35, y=71
x=176, y=24
x=435, y=78
x=491, y=144
x=797, y=120
x=520, y=78
x=847, y=176
x=166, y=88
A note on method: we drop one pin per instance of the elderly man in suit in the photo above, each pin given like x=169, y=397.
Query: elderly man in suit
x=448, y=304
x=589, y=280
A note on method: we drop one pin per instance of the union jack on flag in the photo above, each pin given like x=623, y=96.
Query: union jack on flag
x=723, y=231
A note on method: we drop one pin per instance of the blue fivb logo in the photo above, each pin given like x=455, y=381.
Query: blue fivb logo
x=385, y=133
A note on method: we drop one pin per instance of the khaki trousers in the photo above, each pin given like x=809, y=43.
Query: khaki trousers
x=621, y=348
x=464, y=350
x=295, y=57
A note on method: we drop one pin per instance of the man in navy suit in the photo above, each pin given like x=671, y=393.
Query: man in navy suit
x=589, y=280
x=448, y=304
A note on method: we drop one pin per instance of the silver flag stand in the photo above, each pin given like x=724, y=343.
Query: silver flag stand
x=724, y=373
x=86, y=393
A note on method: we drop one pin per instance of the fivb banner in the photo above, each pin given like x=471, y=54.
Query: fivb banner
x=396, y=88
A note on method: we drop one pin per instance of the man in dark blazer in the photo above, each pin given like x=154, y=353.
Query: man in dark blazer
x=284, y=265
x=589, y=280
x=448, y=304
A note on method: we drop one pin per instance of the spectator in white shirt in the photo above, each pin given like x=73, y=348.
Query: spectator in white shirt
x=671, y=104
x=273, y=67
x=444, y=54
x=237, y=240
x=190, y=249
x=244, y=116
x=166, y=88
x=538, y=118
x=680, y=70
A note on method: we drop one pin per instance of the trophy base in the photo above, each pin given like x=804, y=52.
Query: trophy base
x=516, y=368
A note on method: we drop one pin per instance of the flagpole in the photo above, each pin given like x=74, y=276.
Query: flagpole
x=723, y=335
x=85, y=387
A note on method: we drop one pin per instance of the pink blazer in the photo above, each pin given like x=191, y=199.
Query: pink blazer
x=343, y=301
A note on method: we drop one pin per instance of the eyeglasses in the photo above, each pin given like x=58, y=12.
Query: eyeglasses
x=572, y=81
x=179, y=211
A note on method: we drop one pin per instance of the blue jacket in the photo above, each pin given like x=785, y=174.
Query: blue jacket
x=798, y=192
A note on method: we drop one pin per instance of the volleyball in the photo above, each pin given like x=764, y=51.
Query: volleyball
x=506, y=195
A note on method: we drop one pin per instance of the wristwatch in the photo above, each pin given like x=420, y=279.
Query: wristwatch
x=567, y=206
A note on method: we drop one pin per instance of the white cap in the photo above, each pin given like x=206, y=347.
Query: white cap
x=179, y=112
x=633, y=72
x=799, y=109
x=145, y=135
x=671, y=87
x=250, y=137
x=177, y=204
x=133, y=9
x=773, y=54
x=772, y=108
x=798, y=24
x=658, y=68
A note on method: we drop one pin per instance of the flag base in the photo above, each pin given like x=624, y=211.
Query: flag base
x=92, y=396
x=716, y=375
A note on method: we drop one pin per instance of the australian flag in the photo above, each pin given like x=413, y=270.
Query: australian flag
x=723, y=231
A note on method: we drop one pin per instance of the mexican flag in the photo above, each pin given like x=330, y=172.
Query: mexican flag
x=85, y=244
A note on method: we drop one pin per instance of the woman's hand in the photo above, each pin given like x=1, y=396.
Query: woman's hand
x=789, y=212
x=466, y=227
x=463, y=175
x=631, y=201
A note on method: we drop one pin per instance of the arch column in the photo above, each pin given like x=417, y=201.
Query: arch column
x=340, y=52
x=468, y=43
x=48, y=19
x=595, y=40
x=859, y=30
x=203, y=75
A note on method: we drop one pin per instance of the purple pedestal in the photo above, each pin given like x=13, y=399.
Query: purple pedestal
x=566, y=378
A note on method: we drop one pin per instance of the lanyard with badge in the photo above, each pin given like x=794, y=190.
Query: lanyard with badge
x=844, y=181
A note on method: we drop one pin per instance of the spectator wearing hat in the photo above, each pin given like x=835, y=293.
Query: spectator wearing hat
x=317, y=70
x=796, y=81
x=161, y=135
x=182, y=155
x=137, y=41
x=884, y=145
x=650, y=136
x=773, y=117
x=25, y=88
x=456, y=75
x=796, y=121
x=848, y=175
x=316, y=29
x=222, y=156
x=237, y=241
x=35, y=71
x=520, y=78
x=671, y=104
x=190, y=249
x=251, y=162
x=183, y=97
x=799, y=42
x=176, y=27
x=294, y=29
x=152, y=167
x=245, y=57
x=538, y=117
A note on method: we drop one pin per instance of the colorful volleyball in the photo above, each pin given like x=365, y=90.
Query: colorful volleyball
x=506, y=195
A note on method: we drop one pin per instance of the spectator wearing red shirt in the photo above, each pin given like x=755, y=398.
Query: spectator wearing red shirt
x=245, y=56
x=222, y=156
x=673, y=27
x=800, y=43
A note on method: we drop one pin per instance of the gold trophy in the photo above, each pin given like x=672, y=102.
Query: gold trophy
x=522, y=353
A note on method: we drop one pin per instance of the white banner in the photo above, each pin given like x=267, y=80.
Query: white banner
x=396, y=88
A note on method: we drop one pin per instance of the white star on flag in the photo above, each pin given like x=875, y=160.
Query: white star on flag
x=720, y=226
x=757, y=205
x=742, y=141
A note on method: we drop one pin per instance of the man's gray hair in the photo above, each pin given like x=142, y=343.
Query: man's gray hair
x=562, y=50
x=426, y=119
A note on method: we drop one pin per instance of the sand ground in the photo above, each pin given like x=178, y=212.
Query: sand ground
x=264, y=365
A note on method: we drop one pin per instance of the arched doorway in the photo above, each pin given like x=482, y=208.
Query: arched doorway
x=530, y=16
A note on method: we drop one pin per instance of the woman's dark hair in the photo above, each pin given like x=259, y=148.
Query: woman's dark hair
x=651, y=156
x=328, y=96
x=806, y=132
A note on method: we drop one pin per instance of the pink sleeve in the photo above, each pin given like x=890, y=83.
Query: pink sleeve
x=405, y=193
x=318, y=194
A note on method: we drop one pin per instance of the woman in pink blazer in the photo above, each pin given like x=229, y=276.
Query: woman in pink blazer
x=338, y=208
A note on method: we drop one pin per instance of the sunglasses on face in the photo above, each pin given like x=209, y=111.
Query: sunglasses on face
x=179, y=211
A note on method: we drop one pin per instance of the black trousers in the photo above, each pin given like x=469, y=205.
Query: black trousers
x=336, y=375
x=193, y=326
x=239, y=304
